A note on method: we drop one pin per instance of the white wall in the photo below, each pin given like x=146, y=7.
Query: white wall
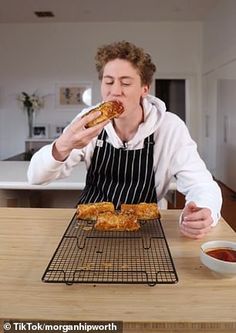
x=38, y=56
x=219, y=38
x=219, y=62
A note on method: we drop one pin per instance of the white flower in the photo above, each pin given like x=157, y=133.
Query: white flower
x=32, y=102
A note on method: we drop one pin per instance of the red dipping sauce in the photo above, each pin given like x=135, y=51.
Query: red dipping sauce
x=225, y=254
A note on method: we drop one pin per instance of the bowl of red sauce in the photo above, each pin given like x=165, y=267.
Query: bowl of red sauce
x=220, y=257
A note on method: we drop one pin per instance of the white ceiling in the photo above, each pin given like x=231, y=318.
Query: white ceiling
x=22, y=11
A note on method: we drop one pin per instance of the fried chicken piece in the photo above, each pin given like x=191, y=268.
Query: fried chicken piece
x=90, y=211
x=143, y=210
x=116, y=222
x=109, y=110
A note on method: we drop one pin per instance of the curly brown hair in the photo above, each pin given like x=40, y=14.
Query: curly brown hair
x=125, y=50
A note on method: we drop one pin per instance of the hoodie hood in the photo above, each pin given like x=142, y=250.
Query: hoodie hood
x=154, y=112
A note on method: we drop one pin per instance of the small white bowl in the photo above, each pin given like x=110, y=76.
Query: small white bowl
x=224, y=268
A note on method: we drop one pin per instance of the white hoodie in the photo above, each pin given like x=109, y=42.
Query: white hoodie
x=175, y=155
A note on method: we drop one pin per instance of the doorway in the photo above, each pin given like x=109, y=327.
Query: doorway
x=173, y=93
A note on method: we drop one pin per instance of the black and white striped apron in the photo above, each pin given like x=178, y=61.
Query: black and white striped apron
x=120, y=175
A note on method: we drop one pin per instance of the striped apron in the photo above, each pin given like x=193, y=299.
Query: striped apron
x=120, y=175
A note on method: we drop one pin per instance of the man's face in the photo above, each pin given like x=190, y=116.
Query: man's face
x=121, y=81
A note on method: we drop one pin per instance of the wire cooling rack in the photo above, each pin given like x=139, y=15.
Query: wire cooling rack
x=86, y=255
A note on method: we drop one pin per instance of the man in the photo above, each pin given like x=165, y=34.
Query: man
x=133, y=158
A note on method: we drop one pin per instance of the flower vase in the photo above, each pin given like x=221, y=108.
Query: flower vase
x=30, y=114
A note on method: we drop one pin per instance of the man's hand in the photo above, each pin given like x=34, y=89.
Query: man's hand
x=76, y=136
x=196, y=221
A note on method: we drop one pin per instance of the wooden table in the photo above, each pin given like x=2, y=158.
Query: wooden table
x=199, y=302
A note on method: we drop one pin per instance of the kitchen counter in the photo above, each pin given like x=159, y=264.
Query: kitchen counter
x=199, y=302
x=13, y=175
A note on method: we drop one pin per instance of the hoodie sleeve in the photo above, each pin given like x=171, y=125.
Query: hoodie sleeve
x=192, y=177
x=43, y=168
